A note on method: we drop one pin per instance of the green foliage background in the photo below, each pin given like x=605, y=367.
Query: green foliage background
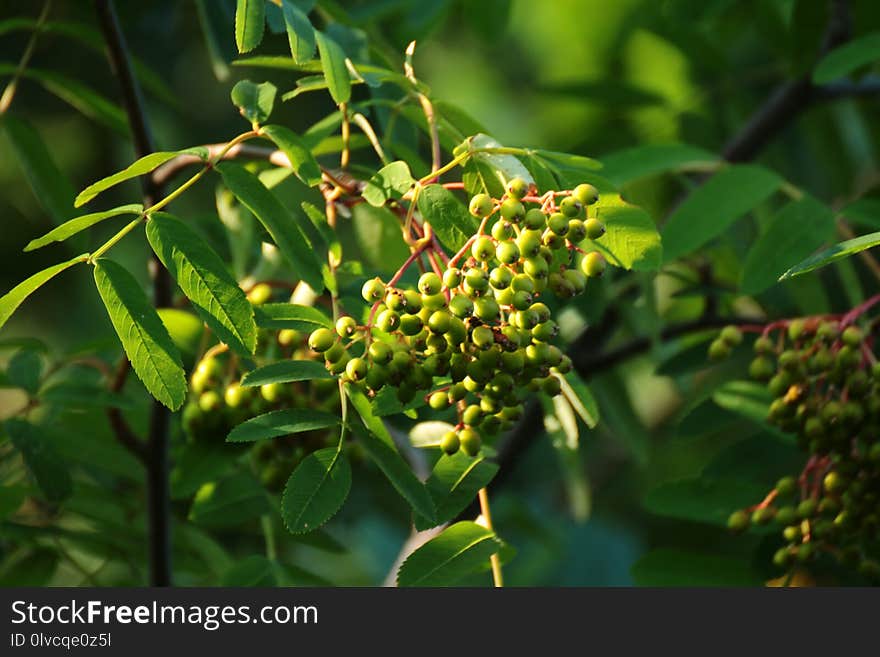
x=589, y=77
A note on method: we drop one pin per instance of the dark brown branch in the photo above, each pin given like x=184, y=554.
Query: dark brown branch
x=121, y=428
x=156, y=457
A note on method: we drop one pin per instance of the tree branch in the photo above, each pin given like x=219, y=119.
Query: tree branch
x=156, y=456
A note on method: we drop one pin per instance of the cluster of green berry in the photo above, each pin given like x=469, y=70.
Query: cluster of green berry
x=476, y=337
x=218, y=402
x=825, y=384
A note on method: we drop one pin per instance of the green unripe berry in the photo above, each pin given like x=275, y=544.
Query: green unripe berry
x=483, y=249
x=782, y=557
x=738, y=521
x=500, y=278
x=452, y=278
x=260, y=294
x=764, y=345
x=574, y=279
x=502, y=230
x=472, y=415
x=558, y=223
x=807, y=508
x=482, y=337
x=321, y=340
x=413, y=301
x=470, y=441
x=786, y=515
x=551, y=386
x=731, y=335
x=411, y=325
x=438, y=400
x=761, y=368
x=461, y=306
x=388, y=321
x=586, y=194
x=593, y=264
x=537, y=268
x=762, y=515
x=718, y=350
x=577, y=231
x=380, y=352
x=235, y=395
x=534, y=219
x=796, y=329
x=513, y=210
x=529, y=243
x=792, y=533
x=852, y=336
x=210, y=401
x=439, y=321
x=546, y=331
x=431, y=302
x=373, y=290
x=595, y=228
x=450, y=443
x=779, y=384
x=786, y=486
x=507, y=252
x=486, y=309
x=356, y=369
x=430, y=283
x=570, y=207
x=272, y=392
x=481, y=205
x=523, y=283
x=346, y=326
x=833, y=482
x=288, y=337
x=522, y=300
x=518, y=188
x=477, y=279
x=395, y=301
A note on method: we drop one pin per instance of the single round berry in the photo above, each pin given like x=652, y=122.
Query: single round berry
x=388, y=321
x=272, y=392
x=500, y=278
x=517, y=188
x=288, y=337
x=570, y=207
x=483, y=249
x=593, y=264
x=260, y=293
x=452, y=278
x=470, y=441
x=440, y=321
x=346, y=326
x=321, y=340
x=507, y=252
x=430, y=283
x=450, y=443
x=482, y=337
x=594, y=228
x=738, y=521
x=356, y=369
x=210, y=401
x=373, y=290
x=502, y=230
x=481, y=205
x=513, y=210
x=558, y=223
x=534, y=219
x=461, y=306
x=529, y=243
x=235, y=395
x=731, y=335
x=585, y=194
x=411, y=324
x=852, y=336
x=718, y=350
x=380, y=352
x=438, y=400
x=577, y=231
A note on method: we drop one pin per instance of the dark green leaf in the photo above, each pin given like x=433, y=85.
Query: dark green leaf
x=450, y=220
x=667, y=567
x=33, y=568
x=25, y=369
x=138, y=168
x=460, y=550
x=74, y=226
x=41, y=458
x=628, y=165
x=316, y=490
x=12, y=299
x=379, y=445
x=454, y=484
x=290, y=316
x=144, y=337
x=847, y=58
x=832, y=254
x=304, y=164
x=11, y=498
x=281, y=224
x=230, y=502
x=250, y=21
x=391, y=181
x=204, y=279
x=253, y=570
x=864, y=212
x=710, y=209
x=379, y=237
x=704, y=500
x=84, y=395
x=50, y=186
x=300, y=32
x=254, y=101
x=795, y=232
x=286, y=371
x=335, y=70
x=281, y=423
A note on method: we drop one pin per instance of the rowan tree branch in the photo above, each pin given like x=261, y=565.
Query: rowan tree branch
x=156, y=451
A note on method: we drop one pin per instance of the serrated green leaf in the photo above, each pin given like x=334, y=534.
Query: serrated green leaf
x=250, y=21
x=450, y=220
x=460, y=550
x=286, y=371
x=78, y=224
x=710, y=209
x=631, y=239
x=316, y=490
x=50, y=186
x=668, y=567
x=504, y=166
x=704, y=500
x=300, y=33
x=335, y=70
x=631, y=164
x=41, y=458
x=283, y=63
x=281, y=423
x=254, y=101
x=12, y=299
x=204, y=279
x=279, y=222
x=833, y=254
x=144, y=337
x=290, y=316
x=379, y=445
x=230, y=502
x=138, y=168
x=304, y=164
x=847, y=58
x=391, y=181
x=453, y=485
x=795, y=232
